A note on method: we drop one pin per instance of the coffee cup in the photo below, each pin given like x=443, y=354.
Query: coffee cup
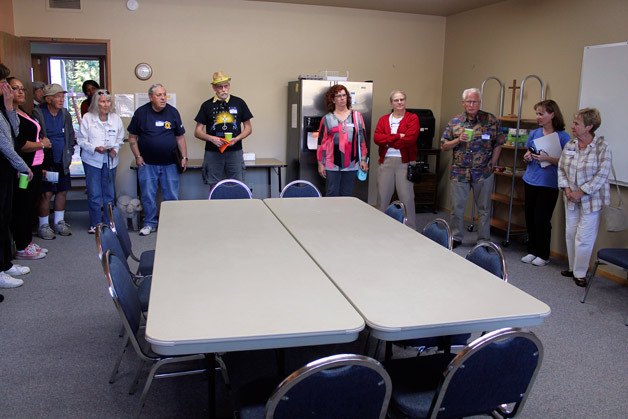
x=23, y=182
x=469, y=133
x=228, y=136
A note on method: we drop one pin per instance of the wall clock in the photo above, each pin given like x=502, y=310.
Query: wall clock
x=143, y=71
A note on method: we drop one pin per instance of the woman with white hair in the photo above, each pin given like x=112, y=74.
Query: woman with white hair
x=396, y=134
x=100, y=137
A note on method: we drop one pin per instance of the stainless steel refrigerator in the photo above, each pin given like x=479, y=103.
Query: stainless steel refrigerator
x=306, y=107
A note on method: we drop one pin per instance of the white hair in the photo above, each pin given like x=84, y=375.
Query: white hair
x=467, y=92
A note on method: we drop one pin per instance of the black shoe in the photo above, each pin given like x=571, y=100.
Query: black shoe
x=581, y=282
x=568, y=274
x=456, y=243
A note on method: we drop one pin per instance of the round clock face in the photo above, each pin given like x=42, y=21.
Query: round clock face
x=143, y=71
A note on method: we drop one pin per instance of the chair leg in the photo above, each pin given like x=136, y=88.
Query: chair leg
x=590, y=281
x=136, y=379
x=116, y=366
x=147, y=384
x=388, y=351
x=223, y=370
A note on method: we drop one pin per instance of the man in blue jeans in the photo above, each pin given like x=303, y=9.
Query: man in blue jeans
x=155, y=133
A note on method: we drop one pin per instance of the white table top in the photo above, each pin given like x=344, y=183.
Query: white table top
x=403, y=284
x=228, y=277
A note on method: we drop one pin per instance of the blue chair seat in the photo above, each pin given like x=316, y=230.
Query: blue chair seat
x=415, y=381
x=615, y=256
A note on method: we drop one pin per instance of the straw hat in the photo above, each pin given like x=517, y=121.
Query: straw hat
x=220, y=77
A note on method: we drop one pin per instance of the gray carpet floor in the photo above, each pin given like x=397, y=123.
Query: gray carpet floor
x=59, y=331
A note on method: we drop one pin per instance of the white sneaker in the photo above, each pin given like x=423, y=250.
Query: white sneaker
x=146, y=230
x=540, y=262
x=18, y=270
x=7, y=281
x=528, y=258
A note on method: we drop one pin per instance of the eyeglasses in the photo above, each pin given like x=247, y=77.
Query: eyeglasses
x=471, y=102
x=339, y=95
x=221, y=86
x=18, y=89
x=103, y=92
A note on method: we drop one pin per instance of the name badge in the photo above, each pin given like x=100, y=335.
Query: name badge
x=159, y=123
x=233, y=111
x=486, y=136
x=350, y=125
x=570, y=153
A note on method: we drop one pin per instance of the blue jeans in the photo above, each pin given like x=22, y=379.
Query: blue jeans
x=150, y=176
x=340, y=183
x=100, y=191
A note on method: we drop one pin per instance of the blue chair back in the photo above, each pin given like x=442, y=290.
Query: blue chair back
x=397, y=210
x=495, y=369
x=439, y=232
x=118, y=224
x=300, y=189
x=489, y=256
x=339, y=386
x=230, y=189
x=123, y=292
x=107, y=240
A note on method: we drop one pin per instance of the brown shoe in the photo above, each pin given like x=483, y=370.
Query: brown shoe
x=568, y=274
x=581, y=282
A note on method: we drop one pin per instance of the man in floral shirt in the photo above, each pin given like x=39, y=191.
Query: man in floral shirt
x=473, y=159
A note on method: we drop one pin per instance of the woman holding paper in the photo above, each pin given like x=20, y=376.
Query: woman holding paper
x=30, y=147
x=100, y=137
x=396, y=134
x=342, y=143
x=541, y=180
x=583, y=172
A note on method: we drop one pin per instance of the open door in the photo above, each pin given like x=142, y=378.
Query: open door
x=15, y=53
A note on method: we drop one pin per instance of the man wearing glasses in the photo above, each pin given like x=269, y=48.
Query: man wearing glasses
x=223, y=122
x=476, y=139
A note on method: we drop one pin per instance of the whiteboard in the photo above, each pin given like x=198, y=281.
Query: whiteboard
x=604, y=85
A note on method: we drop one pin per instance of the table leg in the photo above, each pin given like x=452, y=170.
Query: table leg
x=279, y=178
x=270, y=183
x=211, y=388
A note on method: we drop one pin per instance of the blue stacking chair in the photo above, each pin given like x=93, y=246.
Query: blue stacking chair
x=118, y=224
x=397, y=210
x=300, y=189
x=230, y=189
x=614, y=256
x=335, y=387
x=106, y=240
x=439, y=232
x=129, y=307
x=490, y=257
x=493, y=375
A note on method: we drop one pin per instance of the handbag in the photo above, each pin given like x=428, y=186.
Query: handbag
x=361, y=174
x=415, y=173
x=616, y=218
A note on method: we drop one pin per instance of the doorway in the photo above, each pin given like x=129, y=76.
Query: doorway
x=69, y=63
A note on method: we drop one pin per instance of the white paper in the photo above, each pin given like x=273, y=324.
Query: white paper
x=549, y=144
x=312, y=140
x=124, y=105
